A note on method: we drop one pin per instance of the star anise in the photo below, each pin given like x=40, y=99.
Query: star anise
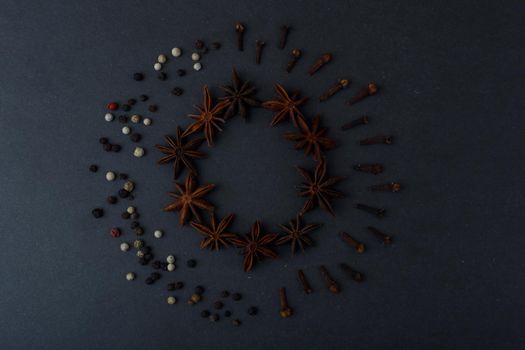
x=181, y=153
x=297, y=234
x=238, y=96
x=285, y=106
x=255, y=245
x=208, y=117
x=318, y=188
x=215, y=235
x=311, y=138
x=188, y=199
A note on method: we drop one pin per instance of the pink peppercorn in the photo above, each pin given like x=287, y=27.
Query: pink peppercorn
x=112, y=106
x=115, y=232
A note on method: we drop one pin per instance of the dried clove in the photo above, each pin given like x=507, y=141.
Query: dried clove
x=355, y=275
x=324, y=59
x=368, y=90
x=259, y=45
x=283, y=36
x=386, y=239
x=369, y=168
x=379, y=212
x=356, y=122
x=239, y=29
x=286, y=310
x=330, y=282
x=341, y=84
x=296, y=54
x=304, y=282
x=389, y=187
x=377, y=140
x=358, y=246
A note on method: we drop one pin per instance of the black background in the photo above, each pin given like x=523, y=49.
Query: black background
x=452, y=94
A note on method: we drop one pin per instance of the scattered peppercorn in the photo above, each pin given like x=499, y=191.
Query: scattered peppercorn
x=199, y=290
x=179, y=285
x=107, y=147
x=236, y=323
x=116, y=148
x=112, y=106
x=218, y=305
x=112, y=200
x=132, y=102
x=110, y=176
x=155, y=275
x=227, y=313
x=199, y=44
x=197, y=66
x=135, y=118
x=93, y=168
x=126, y=130
x=103, y=140
x=135, y=137
x=156, y=265
x=109, y=117
x=171, y=300
x=236, y=296
x=123, y=176
x=123, y=119
x=130, y=276
x=147, y=121
x=153, y=108
x=252, y=311
x=205, y=313
x=128, y=185
x=138, y=152
x=125, y=107
x=225, y=294
x=124, y=246
x=138, y=76
x=125, y=215
x=97, y=212
x=115, y=232
x=139, y=231
x=143, y=97
x=216, y=45
x=214, y=318
x=134, y=225
x=138, y=243
x=171, y=286
x=195, y=298
x=162, y=76
x=157, y=66
x=176, y=52
x=149, y=280
x=177, y=91
x=181, y=72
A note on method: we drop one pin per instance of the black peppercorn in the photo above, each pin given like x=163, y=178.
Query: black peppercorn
x=153, y=108
x=125, y=215
x=171, y=287
x=146, y=250
x=97, y=212
x=139, y=231
x=236, y=296
x=236, y=323
x=162, y=76
x=107, y=147
x=143, y=261
x=204, y=50
x=179, y=285
x=156, y=265
x=205, y=314
x=143, y=97
x=123, y=119
x=191, y=263
x=199, y=44
x=112, y=199
x=135, y=137
x=134, y=225
x=138, y=76
x=148, y=257
x=135, y=216
x=199, y=290
x=218, y=305
x=225, y=294
x=132, y=101
x=214, y=318
x=227, y=313
x=181, y=72
x=125, y=107
x=216, y=45
x=149, y=280
x=177, y=91
x=93, y=168
x=155, y=275
x=122, y=193
x=123, y=176
x=116, y=148
x=252, y=311
x=103, y=140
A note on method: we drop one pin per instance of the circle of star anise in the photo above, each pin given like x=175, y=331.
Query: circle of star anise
x=238, y=96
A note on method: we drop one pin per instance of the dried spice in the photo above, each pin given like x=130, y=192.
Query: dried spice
x=324, y=59
x=216, y=236
x=181, y=152
x=341, y=84
x=285, y=105
x=286, y=310
x=311, y=137
x=259, y=46
x=295, y=55
x=188, y=199
x=208, y=117
x=369, y=90
x=358, y=246
x=296, y=234
x=331, y=284
x=304, y=282
x=255, y=245
x=318, y=188
x=239, y=96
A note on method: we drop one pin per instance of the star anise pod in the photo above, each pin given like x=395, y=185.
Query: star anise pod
x=285, y=105
x=311, y=138
x=255, y=245
x=238, y=96
x=208, y=117
x=296, y=234
x=318, y=188
x=180, y=153
x=188, y=199
x=215, y=235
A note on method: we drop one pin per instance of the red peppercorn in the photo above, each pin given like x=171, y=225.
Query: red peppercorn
x=115, y=232
x=112, y=106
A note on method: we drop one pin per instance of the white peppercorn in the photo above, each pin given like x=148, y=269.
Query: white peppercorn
x=147, y=121
x=158, y=234
x=140, y=253
x=124, y=246
x=135, y=118
x=110, y=176
x=176, y=52
x=171, y=300
x=170, y=259
x=138, y=152
x=109, y=117
x=157, y=66
x=162, y=58
x=195, y=56
x=197, y=66
x=171, y=267
x=130, y=210
x=126, y=130
x=130, y=276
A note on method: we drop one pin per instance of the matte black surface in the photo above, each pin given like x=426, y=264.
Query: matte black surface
x=452, y=95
